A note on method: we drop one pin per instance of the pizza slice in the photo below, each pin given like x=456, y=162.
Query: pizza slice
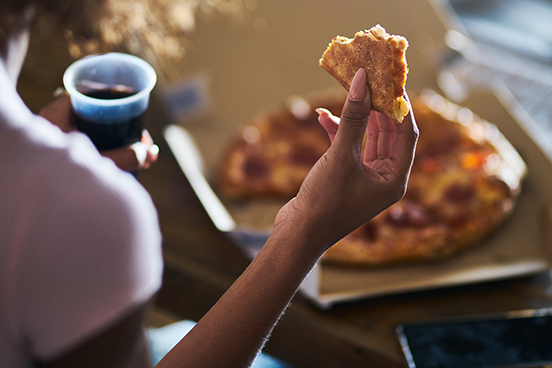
x=383, y=57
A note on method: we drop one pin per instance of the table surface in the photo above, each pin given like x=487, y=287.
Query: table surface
x=201, y=264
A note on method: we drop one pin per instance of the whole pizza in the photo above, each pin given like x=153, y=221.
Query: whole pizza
x=464, y=183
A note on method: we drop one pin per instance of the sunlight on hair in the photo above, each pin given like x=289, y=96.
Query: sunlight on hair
x=152, y=27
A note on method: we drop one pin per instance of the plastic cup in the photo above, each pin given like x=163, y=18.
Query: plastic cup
x=110, y=95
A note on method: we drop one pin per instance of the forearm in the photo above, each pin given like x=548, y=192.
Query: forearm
x=342, y=191
x=234, y=330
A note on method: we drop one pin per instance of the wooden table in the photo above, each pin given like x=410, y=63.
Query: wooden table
x=201, y=264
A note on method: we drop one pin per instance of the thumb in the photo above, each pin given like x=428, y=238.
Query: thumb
x=355, y=113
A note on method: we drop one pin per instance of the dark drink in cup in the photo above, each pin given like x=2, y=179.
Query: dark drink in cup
x=113, y=135
x=110, y=95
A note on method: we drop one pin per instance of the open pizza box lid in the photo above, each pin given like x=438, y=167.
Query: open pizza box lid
x=517, y=248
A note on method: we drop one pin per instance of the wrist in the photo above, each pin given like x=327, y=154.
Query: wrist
x=298, y=232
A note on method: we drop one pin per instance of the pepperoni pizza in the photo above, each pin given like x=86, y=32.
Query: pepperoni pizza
x=464, y=182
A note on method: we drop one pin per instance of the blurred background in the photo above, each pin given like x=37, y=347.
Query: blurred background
x=234, y=66
x=255, y=60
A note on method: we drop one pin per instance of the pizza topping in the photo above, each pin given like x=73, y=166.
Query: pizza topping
x=397, y=216
x=255, y=166
x=431, y=164
x=459, y=219
x=419, y=216
x=304, y=156
x=459, y=193
x=368, y=231
x=473, y=160
x=408, y=214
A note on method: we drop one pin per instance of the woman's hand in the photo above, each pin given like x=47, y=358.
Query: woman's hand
x=60, y=113
x=351, y=184
x=140, y=155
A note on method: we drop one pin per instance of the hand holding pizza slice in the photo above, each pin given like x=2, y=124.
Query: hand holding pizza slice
x=355, y=179
x=383, y=57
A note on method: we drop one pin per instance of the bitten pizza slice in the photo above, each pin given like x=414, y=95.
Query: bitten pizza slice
x=383, y=57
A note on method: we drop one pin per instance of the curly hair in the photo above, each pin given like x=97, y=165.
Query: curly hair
x=151, y=27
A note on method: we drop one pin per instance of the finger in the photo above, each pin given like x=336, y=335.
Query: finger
x=60, y=113
x=404, y=142
x=354, y=116
x=134, y=157
x=146, y=138
x=329, y=122
x=386, y=134
x=152, y=149
x=372, y=133
x=153, y=154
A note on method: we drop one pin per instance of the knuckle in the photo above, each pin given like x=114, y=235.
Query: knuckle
x=354, y=116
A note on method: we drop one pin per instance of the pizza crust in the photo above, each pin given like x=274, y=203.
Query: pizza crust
x=384, y=59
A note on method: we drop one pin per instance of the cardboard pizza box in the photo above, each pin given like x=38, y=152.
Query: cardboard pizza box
x=245, y=71
x=516, y=249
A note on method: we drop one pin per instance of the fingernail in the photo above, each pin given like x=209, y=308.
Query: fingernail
x=59, y=92
x=357, y=91
x=322, y=110
x=154, y=149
